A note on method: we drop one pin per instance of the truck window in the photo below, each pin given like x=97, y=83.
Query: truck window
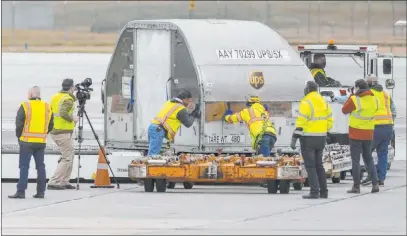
x=345, y=68
x=386, y=66
x=183, y=71
x=121, y=66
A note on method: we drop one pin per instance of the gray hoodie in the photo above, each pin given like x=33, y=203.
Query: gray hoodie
x=379, y=88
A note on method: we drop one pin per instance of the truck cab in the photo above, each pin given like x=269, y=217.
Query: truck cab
x=345, y=64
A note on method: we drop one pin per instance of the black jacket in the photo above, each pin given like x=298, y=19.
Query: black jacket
x=320, y=78
x=20, y=121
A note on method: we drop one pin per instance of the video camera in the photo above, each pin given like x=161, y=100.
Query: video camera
x=83, y=90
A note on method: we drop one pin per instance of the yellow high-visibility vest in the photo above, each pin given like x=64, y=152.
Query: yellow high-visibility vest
x=257, y=121
x=56, y=103
x=363, y=117
x=315, y=116
x=167, y=117
x=383, y=115
x=37, y=118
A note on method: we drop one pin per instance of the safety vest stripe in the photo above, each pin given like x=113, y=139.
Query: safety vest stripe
x=386, y=102
x=27, y=120
x=239, y=117
x=253, y=117
x=47, y=118
x=303, y=115
x=358, y=110
x=312, y=117
x=34, y=135
x=163, y=121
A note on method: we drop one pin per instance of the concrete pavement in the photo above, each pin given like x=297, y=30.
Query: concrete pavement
x=239, y=210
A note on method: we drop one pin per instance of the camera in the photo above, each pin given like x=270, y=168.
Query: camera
x=83, y=90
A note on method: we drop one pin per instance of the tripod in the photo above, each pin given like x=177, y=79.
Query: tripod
x=81, y=111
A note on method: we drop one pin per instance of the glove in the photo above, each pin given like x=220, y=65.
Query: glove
x=293, y=143
x=228, y=112
x=266, y=107
x=196, y=112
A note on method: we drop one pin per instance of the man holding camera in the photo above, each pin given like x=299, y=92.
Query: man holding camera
x=169, y=119
x=62, y=106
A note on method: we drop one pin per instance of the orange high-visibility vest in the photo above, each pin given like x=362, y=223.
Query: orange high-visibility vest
x=37, y=118
x=383, y=115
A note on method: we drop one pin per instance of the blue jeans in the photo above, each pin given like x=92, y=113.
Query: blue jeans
x=155, y=139
x=381, y=140
x=266, y=144
x=24, y=165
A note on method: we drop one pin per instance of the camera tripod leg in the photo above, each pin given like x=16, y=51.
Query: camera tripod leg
x=100, y=146
x=80, y=140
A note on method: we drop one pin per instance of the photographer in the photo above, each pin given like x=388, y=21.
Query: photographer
x=169, y=119
x=62, y=106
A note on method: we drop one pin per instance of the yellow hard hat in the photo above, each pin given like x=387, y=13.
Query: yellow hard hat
x=253, y=99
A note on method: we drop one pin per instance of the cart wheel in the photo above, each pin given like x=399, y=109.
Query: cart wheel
x=284, y=186
x=343, y=175
x=188, y=185
x=388, y=165
x=272, y=186
x=336, y=180
x=171, y=185
x=161, y=185
x=149, y=185
x=298, y=185
x=306, y=184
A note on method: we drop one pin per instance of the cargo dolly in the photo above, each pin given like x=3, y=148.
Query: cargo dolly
x=278, y=173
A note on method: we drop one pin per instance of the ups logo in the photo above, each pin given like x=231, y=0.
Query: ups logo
x=256, y=79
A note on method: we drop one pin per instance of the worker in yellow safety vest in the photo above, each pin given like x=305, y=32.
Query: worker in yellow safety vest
x=169, y=119
x=63, y=105
x=317, y=69
x=313, y=123
x=362, y=107
x=383, y=132
x=262, y=131
x=33, y=123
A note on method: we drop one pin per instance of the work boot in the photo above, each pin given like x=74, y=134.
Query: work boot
x=55, y=187
x=311, y=196
x=354, y=189
x=19, y=195
x=381, y=183
x=323, y=194
x=367, y=181
x=375, y=188
x=69, y=186
x=39, y=195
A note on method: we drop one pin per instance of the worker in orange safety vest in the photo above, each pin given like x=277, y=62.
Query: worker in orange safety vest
x=33, y=123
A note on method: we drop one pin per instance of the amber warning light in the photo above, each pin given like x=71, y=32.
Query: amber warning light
x=331, y=42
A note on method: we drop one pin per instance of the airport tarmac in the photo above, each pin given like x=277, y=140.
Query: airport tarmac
x=217, y=210
x=202, y=210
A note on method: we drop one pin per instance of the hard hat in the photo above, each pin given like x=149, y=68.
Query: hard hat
x=253, y=99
